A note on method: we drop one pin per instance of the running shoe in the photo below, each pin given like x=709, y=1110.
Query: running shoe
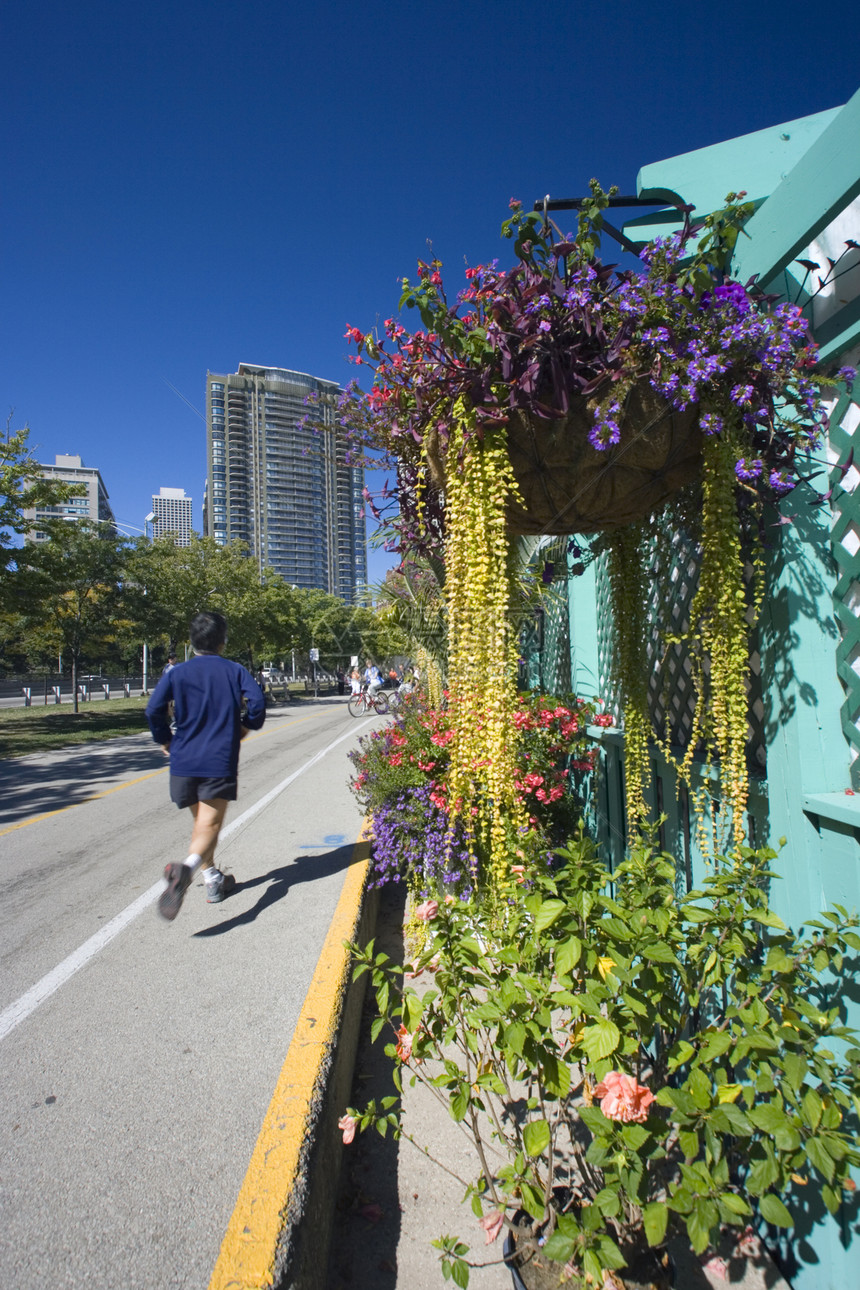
x=220, y=888
x=178, y=881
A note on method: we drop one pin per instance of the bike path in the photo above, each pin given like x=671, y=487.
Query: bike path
x=134, y=1094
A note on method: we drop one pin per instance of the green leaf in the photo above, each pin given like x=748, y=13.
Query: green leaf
x=734, y=1203
x=716, y=1043
x=768, y=918
x=559, y=1248
x=515, y=1037
x=536, y=1137
x=680, y=1053
x=698, y=1228
x=601, y=1039
x=655, y=1217
x=659, y=952
x=699, y=1087
x=813, y=1107
x=567, y=955
x=549, y=911
x=729, y=1118
x=460, y=1103
x=533, y=1201
x=821, y=1158
x=689, y=1143
x=831, y=1198
x=412, y=1009
x=634, y=1135
x=769, y=1117
x=763, y=1174
x=773, y=1211
x=796, y=1068
x=608, y=1202
x=460, y=1273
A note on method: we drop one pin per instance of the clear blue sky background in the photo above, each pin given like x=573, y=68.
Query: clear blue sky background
x=191, y=185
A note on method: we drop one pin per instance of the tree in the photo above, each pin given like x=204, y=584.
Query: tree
x=168, y=585
x=339, y=630
x=68, y=592
x=23, y=487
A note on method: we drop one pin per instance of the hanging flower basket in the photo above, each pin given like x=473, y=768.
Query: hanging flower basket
x=604, y=379
x=568, y=486
x=565, y=396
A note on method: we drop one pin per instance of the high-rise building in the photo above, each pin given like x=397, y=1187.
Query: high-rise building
x=288, y=494
x=171, y=513
x=93, y=505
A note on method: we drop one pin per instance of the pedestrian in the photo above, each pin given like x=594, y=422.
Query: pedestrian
x=341, y=680
x=171, y=662
x=216, y=702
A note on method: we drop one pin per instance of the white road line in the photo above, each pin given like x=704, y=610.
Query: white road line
x=28, y=1003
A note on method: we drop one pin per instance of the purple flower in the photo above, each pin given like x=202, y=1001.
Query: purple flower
x=606, y=430
x=711, y=423
x=749, y=470
x=848, y=375
x=734, y=295
x=780, y=482
x=742, y=395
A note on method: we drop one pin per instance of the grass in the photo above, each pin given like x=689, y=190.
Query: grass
x=42, y=729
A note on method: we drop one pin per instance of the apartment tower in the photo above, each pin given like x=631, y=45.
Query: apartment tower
x=171, y=513
x=93, y=505
x=289, y=494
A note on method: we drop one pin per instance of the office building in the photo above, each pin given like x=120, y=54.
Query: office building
x=93, y=505
x=171, y=513
x=289, y=494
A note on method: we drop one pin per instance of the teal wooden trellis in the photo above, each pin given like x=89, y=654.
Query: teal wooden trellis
x=804, y=177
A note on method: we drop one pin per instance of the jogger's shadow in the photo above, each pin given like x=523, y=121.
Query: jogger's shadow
x=277, y=883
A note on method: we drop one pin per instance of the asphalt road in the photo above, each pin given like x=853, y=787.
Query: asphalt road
x=138, y=1057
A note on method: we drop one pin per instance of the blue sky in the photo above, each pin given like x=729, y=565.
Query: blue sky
x=189, y=186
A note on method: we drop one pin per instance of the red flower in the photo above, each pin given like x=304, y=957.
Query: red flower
x=404, y=1044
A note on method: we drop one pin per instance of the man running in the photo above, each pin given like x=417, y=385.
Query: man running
x=215, y=703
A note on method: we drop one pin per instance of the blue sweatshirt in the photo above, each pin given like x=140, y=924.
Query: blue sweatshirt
x=207, y=694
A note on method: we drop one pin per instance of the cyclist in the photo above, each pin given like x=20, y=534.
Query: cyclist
x=372, y=679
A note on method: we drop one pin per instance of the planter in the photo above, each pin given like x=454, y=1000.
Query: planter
x=648, y=1269
x=570, y=487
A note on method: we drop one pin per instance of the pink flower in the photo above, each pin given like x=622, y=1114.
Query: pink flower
x=622, y=1098
x=492, y=1224
x=427, y=911
x=348, y=1125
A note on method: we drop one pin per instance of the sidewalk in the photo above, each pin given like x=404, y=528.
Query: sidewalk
x=393, y=1202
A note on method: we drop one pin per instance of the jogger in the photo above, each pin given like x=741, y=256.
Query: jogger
x=215, y=703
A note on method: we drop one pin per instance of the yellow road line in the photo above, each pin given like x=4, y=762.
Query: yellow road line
x=247, y=1257
x=128, y=783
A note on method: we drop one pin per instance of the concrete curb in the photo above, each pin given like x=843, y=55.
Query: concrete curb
x=278, y=1236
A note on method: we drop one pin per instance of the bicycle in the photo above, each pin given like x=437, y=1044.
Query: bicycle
x=364, y=702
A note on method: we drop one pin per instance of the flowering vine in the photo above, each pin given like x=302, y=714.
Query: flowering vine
x=482, y=647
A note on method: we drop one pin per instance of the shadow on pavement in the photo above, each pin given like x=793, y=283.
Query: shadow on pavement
x=31, y=787
x=305, y=868
x=367, y=1223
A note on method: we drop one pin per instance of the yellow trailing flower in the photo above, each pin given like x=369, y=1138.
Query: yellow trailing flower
x=482, y=644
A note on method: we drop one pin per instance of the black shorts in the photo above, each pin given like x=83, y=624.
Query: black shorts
x=185, y=790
